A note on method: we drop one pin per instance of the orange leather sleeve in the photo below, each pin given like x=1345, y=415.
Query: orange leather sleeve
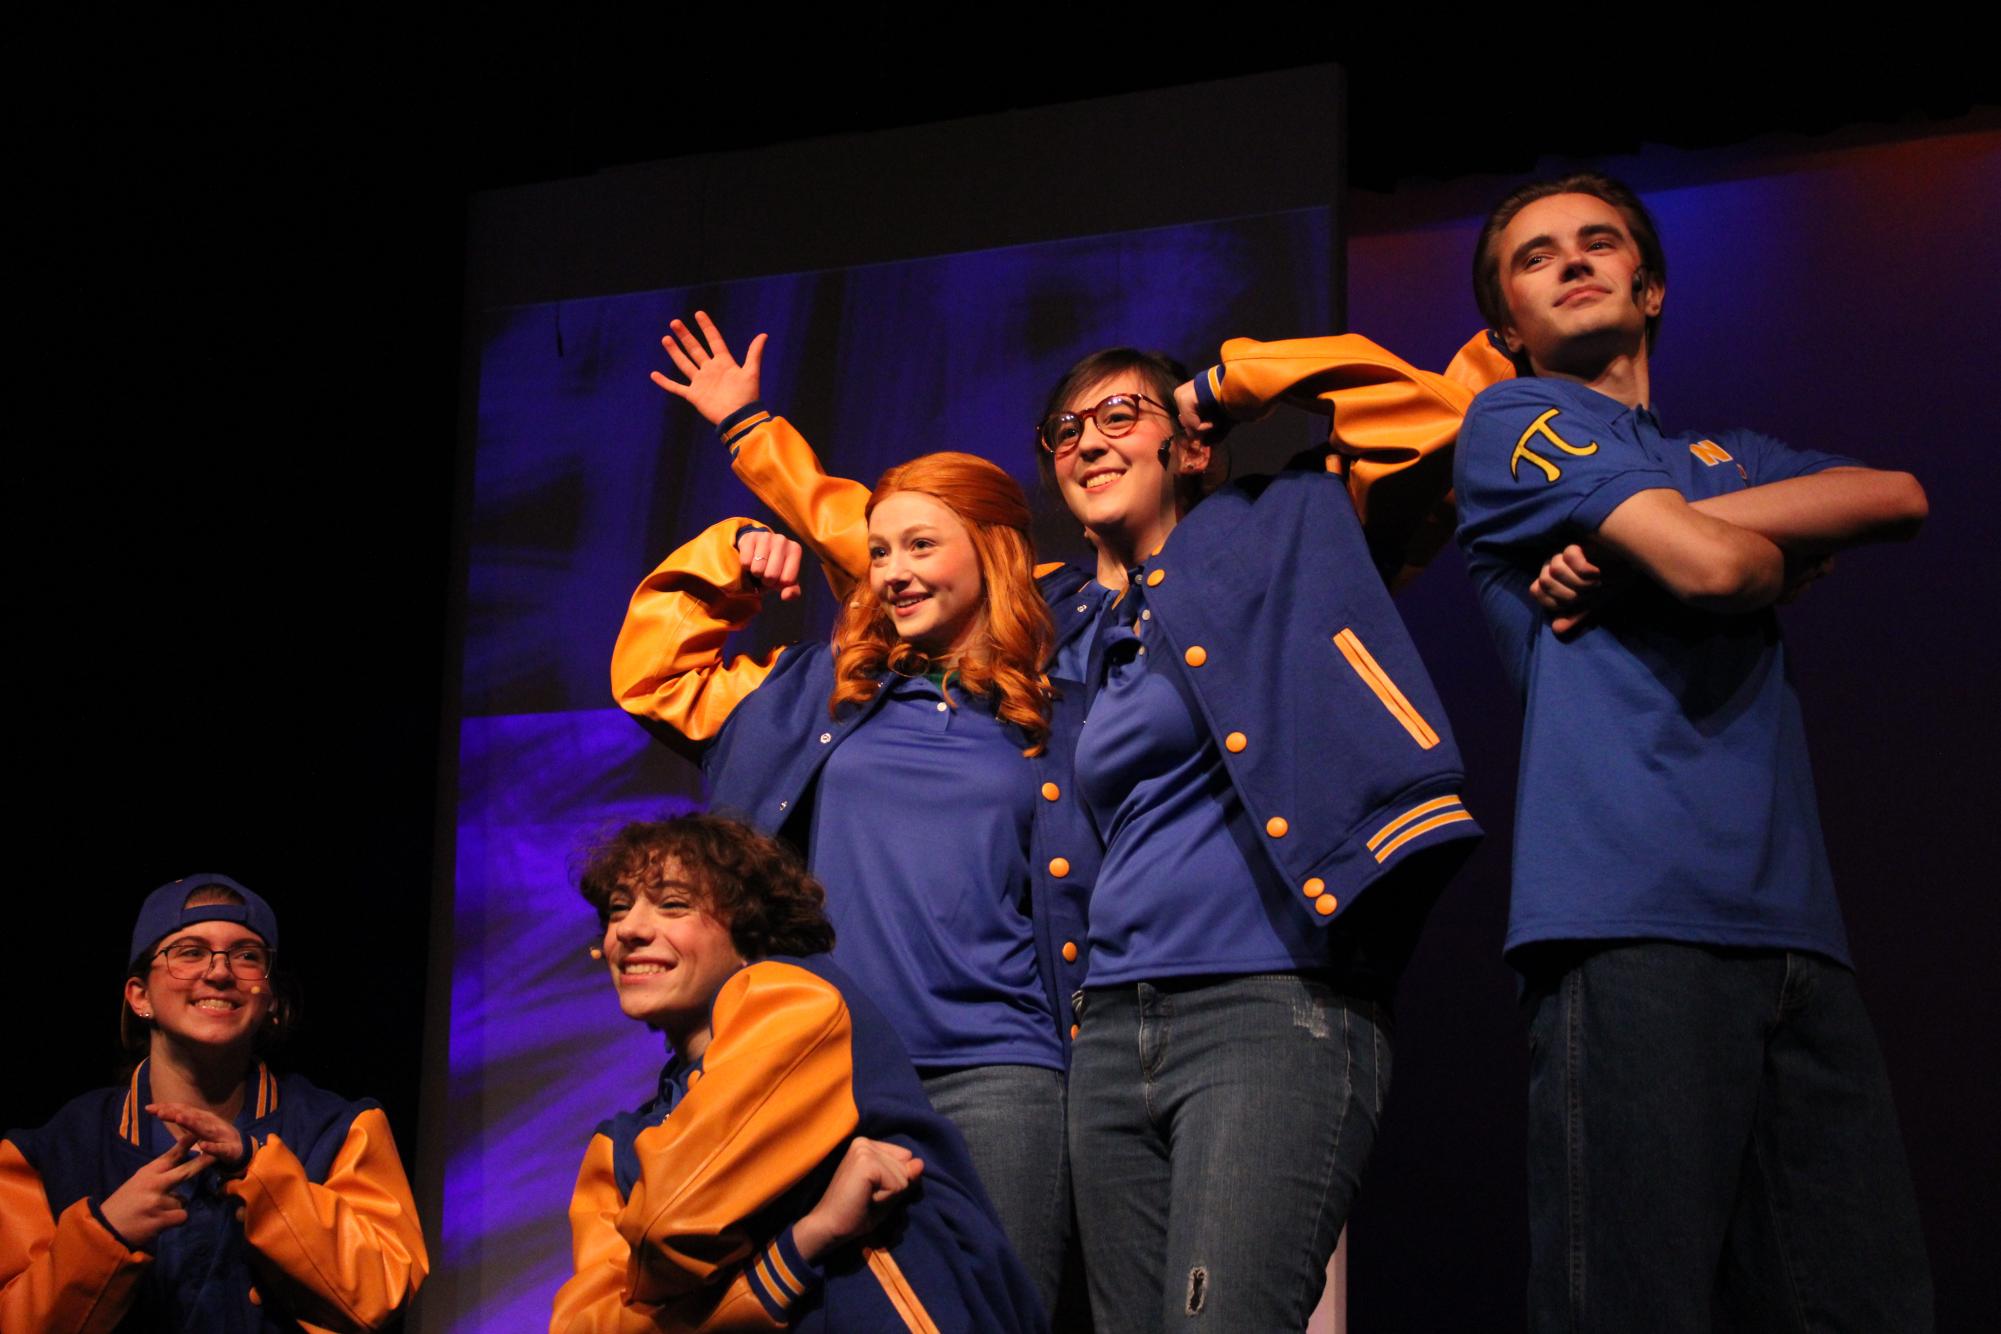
x=1478, y=364
x=774, y=1099
x=66, y=1275
x=593, y=1300
x=1393, y=430
x=348, y=1252
x=667, y=667
x=829, y=514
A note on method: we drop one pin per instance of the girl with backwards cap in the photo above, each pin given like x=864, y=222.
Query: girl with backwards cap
x=206, y=1192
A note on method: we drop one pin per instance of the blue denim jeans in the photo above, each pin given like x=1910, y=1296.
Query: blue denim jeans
x=1712, y=1145
x=1012, y=1119
x=1218, y=1131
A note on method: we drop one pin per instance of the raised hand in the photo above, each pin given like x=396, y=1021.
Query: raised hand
x=717, y=385
x=771, y=563
x=866, y=1185
x=145, y=1206
x=1191, y=419
x=211, y=1134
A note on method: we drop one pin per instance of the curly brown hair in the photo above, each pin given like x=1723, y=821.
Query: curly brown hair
x=755, y=885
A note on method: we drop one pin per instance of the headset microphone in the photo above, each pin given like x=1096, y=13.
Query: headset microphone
x=256, y=990
x=596, y=953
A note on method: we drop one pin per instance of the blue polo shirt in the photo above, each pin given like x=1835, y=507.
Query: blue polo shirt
x=1665, y=791
x=1077, y=604
x=1183, y=891
x=921, y=824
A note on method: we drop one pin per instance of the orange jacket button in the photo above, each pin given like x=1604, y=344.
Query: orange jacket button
x=1235, y=742
x=1276, y=826
x=1154, y=577
x=1059, y=867
x=1195, y=656
x=1073, y=1032
x=1051, y=792
x=1069, y=951
x=1325, y=905
x=256, y=1297
x=1314, y=887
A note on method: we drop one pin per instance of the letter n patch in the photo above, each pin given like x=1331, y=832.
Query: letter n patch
x=1710, y=452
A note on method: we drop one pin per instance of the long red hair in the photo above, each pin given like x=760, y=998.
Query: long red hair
x=1003, y=657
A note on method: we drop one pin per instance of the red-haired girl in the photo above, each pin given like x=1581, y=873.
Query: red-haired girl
x=922, y=762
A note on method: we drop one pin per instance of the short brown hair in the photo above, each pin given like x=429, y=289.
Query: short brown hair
x=1162, y=374
x=754, y=885
x=1487, y=291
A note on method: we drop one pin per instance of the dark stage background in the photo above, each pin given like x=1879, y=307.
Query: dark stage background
x=239, y=611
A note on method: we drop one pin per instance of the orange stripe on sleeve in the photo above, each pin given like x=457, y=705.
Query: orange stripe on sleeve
x=782, y=1273
x=1378, y=680
x=745, y=427
x=897, y=1288
x=1421, y=809
x=1418, y=831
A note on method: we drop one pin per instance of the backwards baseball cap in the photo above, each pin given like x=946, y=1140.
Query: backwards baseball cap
x=166, y=911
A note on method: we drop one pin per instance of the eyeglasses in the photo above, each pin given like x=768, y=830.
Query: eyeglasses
x=1061, y=432
x=189, y=959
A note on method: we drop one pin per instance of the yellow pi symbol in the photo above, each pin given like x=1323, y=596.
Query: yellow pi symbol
x=1541, y=427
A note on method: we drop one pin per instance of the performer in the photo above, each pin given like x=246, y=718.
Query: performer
x=924, y=764
x=790, y=1173
x=1279, y=796
x=206, y=1192
x=1709, y=1117
x=1264, y=747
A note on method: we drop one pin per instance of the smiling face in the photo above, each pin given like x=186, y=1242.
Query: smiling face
x=1119, y=487
x=211, y=1011
x=1576, y=289
x=668, y=956
x=923, y=566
